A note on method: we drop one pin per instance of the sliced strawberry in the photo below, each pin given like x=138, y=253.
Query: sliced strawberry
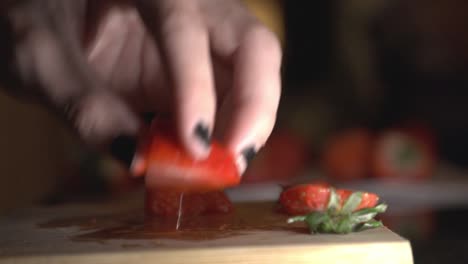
x=328, y=211
x=302, y=199
x=167, y=165
x=217, y=202
x=368, y=200
x=306, y=198
x=167, y=203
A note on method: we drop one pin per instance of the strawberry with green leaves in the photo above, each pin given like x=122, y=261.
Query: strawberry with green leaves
x=407, y=153
x=326, y=210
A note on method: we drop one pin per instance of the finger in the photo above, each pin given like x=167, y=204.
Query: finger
x=100, y=118
x=184, y=42
x=251, y=107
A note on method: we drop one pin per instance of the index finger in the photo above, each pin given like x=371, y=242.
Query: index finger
x=252, y=105
x=185, y=44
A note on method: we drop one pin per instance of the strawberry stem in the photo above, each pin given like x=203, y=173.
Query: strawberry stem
x=316, y=219
x=334, y=202
x=345, y=225
x=367, y=214
x=342, y=221
x=370, y=225
x=352, y=203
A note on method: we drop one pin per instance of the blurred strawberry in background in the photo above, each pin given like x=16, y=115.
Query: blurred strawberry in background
x=284, y=156
x=346, y=154
x=405, y=153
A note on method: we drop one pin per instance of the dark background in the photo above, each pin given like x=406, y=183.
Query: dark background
x=350, y=63
x=418, y=52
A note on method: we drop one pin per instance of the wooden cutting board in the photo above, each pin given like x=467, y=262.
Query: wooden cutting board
x=117, y=232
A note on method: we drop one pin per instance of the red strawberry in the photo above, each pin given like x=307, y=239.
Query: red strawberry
x=407, y=153
x=329, y=211
x=302, y=199
x=368, y=199
x=217, y=202
x=167, y=203
x=167, y=165
x=346, y=154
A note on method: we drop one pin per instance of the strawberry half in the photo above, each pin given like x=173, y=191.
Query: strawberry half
x=368, y=200
x=327, y=210
x=306, y=198
x=302, y=199
x=167, y=203
x=168, y=166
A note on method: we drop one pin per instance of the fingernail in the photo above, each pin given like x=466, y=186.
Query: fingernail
x=245, y=158
x=203, y=134
x=249, y=154
x=123, y=148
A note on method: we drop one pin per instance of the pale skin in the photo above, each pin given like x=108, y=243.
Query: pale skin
x=203, y=61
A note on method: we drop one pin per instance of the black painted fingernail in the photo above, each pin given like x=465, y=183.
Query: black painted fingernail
x=123, y=148
x=203, y=134
x=249, y=154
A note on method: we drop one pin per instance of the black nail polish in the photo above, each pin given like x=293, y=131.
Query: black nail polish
x=249, y=154
x=203, y=134
x=123, y=148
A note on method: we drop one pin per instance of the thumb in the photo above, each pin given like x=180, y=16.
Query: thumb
x=52, y=64
x=101, y=118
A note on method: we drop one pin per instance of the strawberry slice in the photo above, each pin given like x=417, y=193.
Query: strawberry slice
x=368, y=200
x=306, y=198
x=167, y=203
x=328, y=211
x=405, y=154
x=168, y=166
x=217, y=202
x=302, y=199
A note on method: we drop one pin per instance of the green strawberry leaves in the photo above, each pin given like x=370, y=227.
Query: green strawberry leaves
x=369, y=225
x=342, y=220
x=316, y=221
x=334, y=202
x=351, y=203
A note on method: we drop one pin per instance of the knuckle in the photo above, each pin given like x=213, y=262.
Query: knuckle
x=178, y=20
x=260, y=37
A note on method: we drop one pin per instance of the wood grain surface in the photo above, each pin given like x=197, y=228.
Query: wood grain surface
x=117, y=232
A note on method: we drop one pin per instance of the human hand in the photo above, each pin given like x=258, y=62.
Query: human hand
x=100, y=64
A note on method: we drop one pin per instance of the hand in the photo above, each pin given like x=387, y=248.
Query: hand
x=100, y=64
